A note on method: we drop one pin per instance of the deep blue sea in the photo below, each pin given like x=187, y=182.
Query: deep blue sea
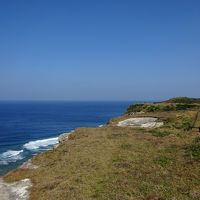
x=27, y=128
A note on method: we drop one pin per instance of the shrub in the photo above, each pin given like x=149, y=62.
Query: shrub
x=135, y=108
x=152, y=108
x=184, y=106
x=185, y=125
x=185, y=100
x=159, y=133
x=194, y=149
x=168, y=108
x=163, y=161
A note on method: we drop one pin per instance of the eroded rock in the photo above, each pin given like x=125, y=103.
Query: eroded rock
x=28, y=165
x=15, y=191
x=64, y=137
x=143, y=122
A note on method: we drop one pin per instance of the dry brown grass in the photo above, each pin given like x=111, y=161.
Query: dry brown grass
x=119, y=163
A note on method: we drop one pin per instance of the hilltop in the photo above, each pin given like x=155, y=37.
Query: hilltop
x=129, y=162
x=184, y=100
x=174, y=104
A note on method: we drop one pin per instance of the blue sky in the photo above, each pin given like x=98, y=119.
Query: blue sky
x=99, y=50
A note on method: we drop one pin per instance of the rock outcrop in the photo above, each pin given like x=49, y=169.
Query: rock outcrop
x=15, y=191
x=143, y=122
x=28, y=165
x=64, y=137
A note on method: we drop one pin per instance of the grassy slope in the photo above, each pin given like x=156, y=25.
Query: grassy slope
x=121, y=163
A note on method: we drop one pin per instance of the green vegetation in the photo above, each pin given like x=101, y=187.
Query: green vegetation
x=152, y=108
x=115, y=163
x=184, y=106
x=136, y=108
x=182, y=121
x=163, y=161
x=160, y=132
x=176, y=104
x=194, y=149
x=184, y=100
x=197, y=120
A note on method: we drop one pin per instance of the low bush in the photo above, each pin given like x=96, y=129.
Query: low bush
x=184, y=100
x=168, y=108
x=135, y=108
x=159, y=107
x=184, y=106
x=194, y=149
x=152, y=108
x=163, y=161
x=185, y=125
x=159, y=133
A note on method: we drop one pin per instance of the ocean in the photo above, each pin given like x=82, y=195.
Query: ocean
x=28, y=128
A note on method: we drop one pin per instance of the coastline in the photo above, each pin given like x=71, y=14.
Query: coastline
x=33, y=145
x=23, y=136
x=63, y=137
x=24, y=185
x=118, y=159
x=20, y=189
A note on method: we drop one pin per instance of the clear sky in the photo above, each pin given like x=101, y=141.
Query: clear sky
x=99, y=49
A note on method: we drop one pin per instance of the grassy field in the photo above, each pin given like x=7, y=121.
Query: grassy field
x=121, y=163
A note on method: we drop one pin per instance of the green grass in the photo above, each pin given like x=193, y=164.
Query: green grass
x=159, y=132
x=197, y=123
x=163, y=161
x=193, y=150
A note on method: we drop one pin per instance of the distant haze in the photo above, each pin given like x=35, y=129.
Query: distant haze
x=99, y=50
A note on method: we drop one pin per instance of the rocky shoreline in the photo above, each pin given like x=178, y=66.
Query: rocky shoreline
x=64, y=137
x=20, y=190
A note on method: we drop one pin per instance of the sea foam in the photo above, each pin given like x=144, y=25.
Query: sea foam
x=10, y=156
x=35, y=145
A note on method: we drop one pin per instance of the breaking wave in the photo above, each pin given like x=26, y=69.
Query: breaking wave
x=40, y=144
x=10, y=156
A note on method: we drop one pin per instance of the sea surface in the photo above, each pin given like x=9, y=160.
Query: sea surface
x=27, y=128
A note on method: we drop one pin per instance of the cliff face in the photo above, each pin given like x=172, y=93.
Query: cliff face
x=114, y=162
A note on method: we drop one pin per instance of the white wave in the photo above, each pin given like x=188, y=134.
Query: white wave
x=100, y=125
x=10, y=156
x=34, y=145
